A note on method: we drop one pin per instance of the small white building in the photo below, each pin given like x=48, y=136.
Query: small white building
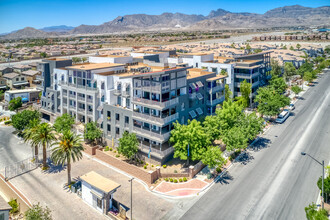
x=98, y=191
x=4, y=209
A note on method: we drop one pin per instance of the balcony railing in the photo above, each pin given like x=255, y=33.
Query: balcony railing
x=150, y=118
x=246, y=75
x=155, y=103
x=89, y=100
x=72, y=96
x=216, y=88
x=89, y=112
x=81, y=110
x=152, y=149
x=126, y=93
x=117, y=92
x=81, y=98
x=151, y=135
x=215, y=101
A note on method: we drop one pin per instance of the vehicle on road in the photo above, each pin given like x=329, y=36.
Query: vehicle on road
x=291, y=107
x=283, y=116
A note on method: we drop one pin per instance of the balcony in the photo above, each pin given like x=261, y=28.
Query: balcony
x=126, y=94
x=81, y=98
x=89, y=100
x=156, y=104
x=154, y=87
x=65, y=105
x=89, y=112
x=153, y=119
x=64, y=94
x=117, y=92
x=151, y=135
x=145, y=147
x=82, y=110
x=246, y=76
x=72, y=107
x=117, y=122
x=72, y=96
x=215, y=101
x=216, y=88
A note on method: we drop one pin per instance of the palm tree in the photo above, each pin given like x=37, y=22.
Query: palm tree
x=43, y=135
x=28, y=134
x=68, y=149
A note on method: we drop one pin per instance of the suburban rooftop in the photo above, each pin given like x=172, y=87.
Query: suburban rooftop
x=93, y=66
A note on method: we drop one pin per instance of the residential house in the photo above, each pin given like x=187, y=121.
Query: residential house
x=15, y=80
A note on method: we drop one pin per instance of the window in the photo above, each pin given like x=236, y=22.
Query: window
x=2, y=216
x=99, y=203
x=126, y=120
x=16, y=79
x=117, y=117
x=109, y=127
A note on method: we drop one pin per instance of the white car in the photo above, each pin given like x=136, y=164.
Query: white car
x=291, y=107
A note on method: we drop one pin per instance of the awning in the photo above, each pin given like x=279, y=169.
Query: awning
x=199, y=83
x=20, y=83
x=199, y=96
x=100, y=108
x=199, y=111
x=3, y=87
x=192, y=113
x=193, y=85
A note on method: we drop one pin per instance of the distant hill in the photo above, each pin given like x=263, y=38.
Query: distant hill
x=295, y=15
x=29, y=32
x=60, y=28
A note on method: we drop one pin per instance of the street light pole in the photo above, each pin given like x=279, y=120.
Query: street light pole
x=322, y=164
x=131, y=180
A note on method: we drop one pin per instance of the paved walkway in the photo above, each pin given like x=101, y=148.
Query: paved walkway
x=47, y=188
x=191, y=187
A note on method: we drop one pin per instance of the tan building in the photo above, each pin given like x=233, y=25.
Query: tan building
x=31, y=76
x=15, y=80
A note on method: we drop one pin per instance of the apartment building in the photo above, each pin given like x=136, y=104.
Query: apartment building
x=254, y=69
x=50, y=93
x=148, y=99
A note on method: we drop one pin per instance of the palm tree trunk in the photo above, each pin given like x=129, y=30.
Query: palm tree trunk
x=44, y=152
x=36, y=153
x=69, y=172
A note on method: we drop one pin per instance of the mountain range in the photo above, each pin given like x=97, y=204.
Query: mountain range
x=295, y=15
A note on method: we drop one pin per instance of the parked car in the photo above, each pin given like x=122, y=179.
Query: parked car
x=291, y=107
x=283, y=116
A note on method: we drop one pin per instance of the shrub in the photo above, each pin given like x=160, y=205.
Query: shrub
x=180, y=180
x=152, y=165
x=184, y=179
x=45, y=168
x=164, y=166
x=14, y=205
x=7, y=122
x=218, y=169
x=209, y=175
x=117, y=155
x=145, y=166
x=110, y=149
x=141, y=162
x=175, y=171
x=171, y=180
x=106, y=148
x=115, y=151
x=166, y=179
x=175, y=181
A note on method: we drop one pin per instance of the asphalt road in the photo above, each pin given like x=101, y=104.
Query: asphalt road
x=12, y=149
x=274, y=181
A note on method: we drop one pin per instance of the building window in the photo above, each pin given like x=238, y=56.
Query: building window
x=126, y=120
x=109, y=127
x=99, y=203
x=117, y=117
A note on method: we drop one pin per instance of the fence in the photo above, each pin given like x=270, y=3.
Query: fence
x=23, y=166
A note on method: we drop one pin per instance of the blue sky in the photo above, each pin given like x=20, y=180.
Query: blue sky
x=17, y=14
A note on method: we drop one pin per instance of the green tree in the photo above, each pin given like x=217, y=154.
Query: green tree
x=92, y=132
x=63, y=123
x=84, y=59
x=211, y=125
x=313, y=214
x=68, y=149
x=223, y=72
x=44, y=136
x=289, y=71
x=192, y=134
x=213, y=157
x=298, y=46
x=251, y=125
x=37, y=212
x=128, y=145
x=278, y=83
x=15, y=103
x=229, y=115
x=43, y=54
x=234, y=138
x=28, y=134
x=270, y=102
x=248, y=47
x=327, y=49
x=308, y=76
x=22, y=119
x=228, y=93
x=306, y=67
x=284, y=47
x=326, y=186
x=296, y=89
x=276, y=68
x=246, y=91
x=233, y=45
x=291, y=48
